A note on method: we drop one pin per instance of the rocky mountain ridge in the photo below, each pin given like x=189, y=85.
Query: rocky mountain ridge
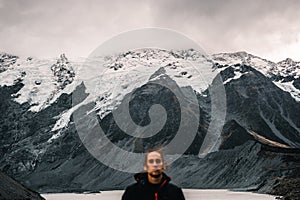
x=285, y=74
x=260, y=130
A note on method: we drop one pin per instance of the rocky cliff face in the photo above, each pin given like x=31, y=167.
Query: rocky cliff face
x=257, y=104
x=12, y=190
x=258, y=145
x=285, y=74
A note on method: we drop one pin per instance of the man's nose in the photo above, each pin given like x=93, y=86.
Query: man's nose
x=155, y=165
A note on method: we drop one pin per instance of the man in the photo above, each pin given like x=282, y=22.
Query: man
x=154, y=183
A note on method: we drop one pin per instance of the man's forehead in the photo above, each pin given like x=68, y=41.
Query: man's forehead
x=154, y=154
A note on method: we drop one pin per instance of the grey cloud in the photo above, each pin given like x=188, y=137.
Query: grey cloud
x=231, y=25
x=77, y=27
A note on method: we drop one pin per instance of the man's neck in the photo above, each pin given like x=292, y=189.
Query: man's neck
x=154, y=180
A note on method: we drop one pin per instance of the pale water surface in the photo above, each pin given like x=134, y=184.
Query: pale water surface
x=188, y=193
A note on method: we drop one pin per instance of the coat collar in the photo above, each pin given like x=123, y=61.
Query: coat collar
x=143, y=178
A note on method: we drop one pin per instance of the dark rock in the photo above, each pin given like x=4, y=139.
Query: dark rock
x=10, y=189
x=288, y=188
x=257, y=104
x=234, y=135
x=296, y=83
x=38, y=82
x=63, y=71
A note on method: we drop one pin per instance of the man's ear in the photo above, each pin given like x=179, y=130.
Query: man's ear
x=165, y=166
x=145, y=168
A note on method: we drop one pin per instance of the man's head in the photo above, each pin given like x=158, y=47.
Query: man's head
x=154, y=163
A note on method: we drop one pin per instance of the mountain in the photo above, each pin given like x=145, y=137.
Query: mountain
x=12, y=190
x=43, y=101
x=285, y=74
x=259, y=105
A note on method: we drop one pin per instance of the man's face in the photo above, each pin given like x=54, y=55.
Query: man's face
x=154, y=164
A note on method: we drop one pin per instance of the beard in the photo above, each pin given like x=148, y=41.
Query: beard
x=156, y=174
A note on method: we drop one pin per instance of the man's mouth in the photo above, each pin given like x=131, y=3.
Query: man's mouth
x=155, y=174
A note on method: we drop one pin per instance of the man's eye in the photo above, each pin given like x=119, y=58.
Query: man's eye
x=158, y=161
x=151, y=161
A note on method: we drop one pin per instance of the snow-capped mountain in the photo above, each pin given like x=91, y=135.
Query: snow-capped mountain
x=42, y=84
x=124, y=72
x=285, y=74
x=39, y=138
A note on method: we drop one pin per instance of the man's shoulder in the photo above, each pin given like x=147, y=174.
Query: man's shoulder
x=173, y=192
x=131, y=192
x=173, y=187
x=132, y=186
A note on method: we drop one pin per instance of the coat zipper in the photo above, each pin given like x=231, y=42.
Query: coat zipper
x=156, y=193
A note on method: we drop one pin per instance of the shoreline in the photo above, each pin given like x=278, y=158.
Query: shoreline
x=190, y=194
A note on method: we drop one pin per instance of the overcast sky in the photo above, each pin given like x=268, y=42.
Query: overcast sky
x=267, y=28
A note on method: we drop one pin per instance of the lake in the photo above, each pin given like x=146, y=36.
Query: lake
x=190, y=194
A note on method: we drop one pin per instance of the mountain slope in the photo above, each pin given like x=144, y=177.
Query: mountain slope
x=261, y=128
x=12, y=190
x=285, y=74
x=257, y=104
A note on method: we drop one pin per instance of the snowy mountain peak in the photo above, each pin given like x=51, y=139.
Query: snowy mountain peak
x=63, y=71
x=6, y=60
x=242, y=54
x=129, y=70
x=44, y=80
x=288, y=67
x=287, y=61
x=285, y=74
x=240, y=57
x=266, y=67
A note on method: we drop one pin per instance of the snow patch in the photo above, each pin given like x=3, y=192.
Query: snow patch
x=290, y=88
x=55, y=136
x=237, y=76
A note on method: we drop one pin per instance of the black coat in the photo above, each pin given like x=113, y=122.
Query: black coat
x=143, y=190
